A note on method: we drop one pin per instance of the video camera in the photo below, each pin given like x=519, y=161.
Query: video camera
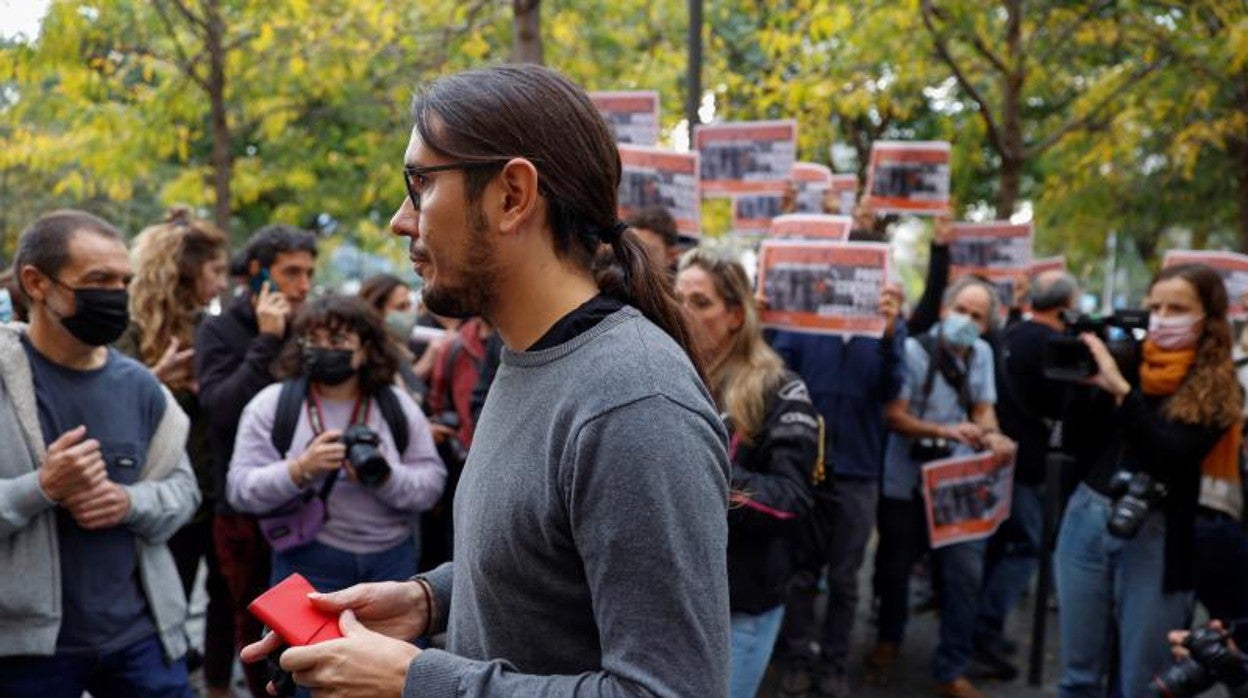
x=1067, y=358
x=1212, y=660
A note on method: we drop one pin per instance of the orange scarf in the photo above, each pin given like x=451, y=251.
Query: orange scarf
x=1161, y=373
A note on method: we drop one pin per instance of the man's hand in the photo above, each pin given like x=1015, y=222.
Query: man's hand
x=176, y=369
x=968, y=433
x=272, y=311
x=440, y=432
x=71, y=465
x=361, y=663
x=1002, y=446
x=104, y=506
x=890, y=308
x=942, y=233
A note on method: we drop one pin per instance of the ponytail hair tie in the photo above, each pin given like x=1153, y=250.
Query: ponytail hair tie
x=612, y=235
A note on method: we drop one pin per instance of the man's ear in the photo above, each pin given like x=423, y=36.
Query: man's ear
x=518, y=194
x=35, y=282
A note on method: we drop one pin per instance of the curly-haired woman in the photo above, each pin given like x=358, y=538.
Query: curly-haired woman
x=1130, y=573
x=180, y=266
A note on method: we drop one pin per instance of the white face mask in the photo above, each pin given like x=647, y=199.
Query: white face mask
x=1175, y=332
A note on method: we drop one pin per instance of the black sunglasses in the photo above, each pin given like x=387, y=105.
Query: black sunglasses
x=414, y=177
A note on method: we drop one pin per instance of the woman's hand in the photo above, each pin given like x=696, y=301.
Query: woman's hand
x=1108, y=377
x=325, y=454
x=176, y=369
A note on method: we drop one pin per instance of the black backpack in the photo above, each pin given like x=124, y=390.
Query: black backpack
x=290, y=401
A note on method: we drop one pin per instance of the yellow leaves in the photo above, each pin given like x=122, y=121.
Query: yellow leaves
x=475, y=47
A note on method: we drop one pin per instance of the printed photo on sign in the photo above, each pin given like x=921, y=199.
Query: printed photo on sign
x=633, y=116
x=823, y=287
x=752, y=213
x=1043, y=264
x=810, y=226
x=811, y=182
x=909, y=177
x=745, y=157
x=966, y=498
x=653, y=177
x=1232, y=267
x=988, y=245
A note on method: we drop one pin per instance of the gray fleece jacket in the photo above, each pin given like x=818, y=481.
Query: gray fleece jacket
x=160, y=503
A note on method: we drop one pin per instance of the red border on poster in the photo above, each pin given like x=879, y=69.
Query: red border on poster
x=782, y=132
x=630, y=102
x=987, y=474
x=640, y=158
x=819, y=253
x=926, y=152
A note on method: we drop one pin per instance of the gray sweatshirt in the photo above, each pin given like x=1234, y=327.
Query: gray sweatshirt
x=590, y=529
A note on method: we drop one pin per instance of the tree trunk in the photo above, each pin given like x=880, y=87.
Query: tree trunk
x=1241, y=157
x=526, y=32
x=222, y=158
x=1009, y=186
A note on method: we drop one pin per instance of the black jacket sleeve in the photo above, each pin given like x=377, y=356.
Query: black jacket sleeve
x=1158, y=444
x=927, y=310
x=772, y=480
x=226, y=384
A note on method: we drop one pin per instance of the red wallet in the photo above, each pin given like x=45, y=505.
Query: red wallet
x=287, y=610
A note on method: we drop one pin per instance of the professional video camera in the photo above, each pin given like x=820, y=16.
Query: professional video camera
x=1067, y=358
x=1135, y=495
x=371, y=468
x=1212, y=660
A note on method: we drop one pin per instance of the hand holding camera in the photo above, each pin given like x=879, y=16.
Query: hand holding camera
x=325, y=454
x=1108, y=377
x=1206, y=656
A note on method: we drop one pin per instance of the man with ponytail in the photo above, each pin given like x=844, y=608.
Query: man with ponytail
x=591, y=517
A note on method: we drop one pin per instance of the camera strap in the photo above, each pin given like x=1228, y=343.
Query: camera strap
x=316, y=419
x=940, y=359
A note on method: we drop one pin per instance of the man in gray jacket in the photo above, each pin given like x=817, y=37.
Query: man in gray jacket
x=94, y=479
x=591, y=517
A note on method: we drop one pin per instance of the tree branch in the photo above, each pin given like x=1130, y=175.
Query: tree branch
x=191, y=17
x=1093, y=114
x=183, y=61
x=1066, y=34
x=942, y=48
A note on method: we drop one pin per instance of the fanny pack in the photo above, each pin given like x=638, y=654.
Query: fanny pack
x=297, y=522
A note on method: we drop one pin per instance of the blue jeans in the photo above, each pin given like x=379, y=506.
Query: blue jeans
x=330, y=569
x=753, y=637
x=138, y=671
x=1013, y=553
x=962, y=568
x=1105, y=582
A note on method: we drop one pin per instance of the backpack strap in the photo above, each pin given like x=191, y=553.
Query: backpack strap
x=289, y=402
x=396, y=418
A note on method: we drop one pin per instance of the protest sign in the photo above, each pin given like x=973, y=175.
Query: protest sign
x=1043, y=264
x=633, y=116
x=1232, y=267
x=747, y=156
x=653, y=177
x=966, y=498
x=909, y=177
x=811, y=182
x=999, y=251
x=810, y=226
x=823, y=287
x=752, y=213
x=845, y=192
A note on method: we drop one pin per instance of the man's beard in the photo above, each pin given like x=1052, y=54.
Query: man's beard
x=479, y=275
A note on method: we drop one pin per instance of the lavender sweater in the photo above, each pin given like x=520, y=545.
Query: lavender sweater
x=361, y=520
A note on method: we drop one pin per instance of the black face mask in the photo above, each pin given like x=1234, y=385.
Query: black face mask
x=100, y=316
x=328, y=366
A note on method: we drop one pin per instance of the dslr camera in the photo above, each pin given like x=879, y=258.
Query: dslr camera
x=929, y=449
x=1135, y=495
x=364, y=455
x=1067, y=358
x=1212, y=660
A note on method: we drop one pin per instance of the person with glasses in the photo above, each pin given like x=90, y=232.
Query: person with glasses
x=343, y=360
x=591, y=517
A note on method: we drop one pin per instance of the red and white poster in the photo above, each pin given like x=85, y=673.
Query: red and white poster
x=1043, y=264
x=633, y=116
x=752, y=213
x=966, y=498
x=909, y=177
x=823, y=287
x=653, y=177
x=745, y=157
x=1232, y=267
x=811, y=182
x=845, y=192
x=810, y=226
x=999, y=251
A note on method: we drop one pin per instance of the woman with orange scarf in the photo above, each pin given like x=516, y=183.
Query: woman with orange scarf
x=1136, y=581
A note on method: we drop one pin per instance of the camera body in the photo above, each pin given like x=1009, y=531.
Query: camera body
x=364, y=455
x=1067, y=358
x=1135, y=495
x=1212, y=660
x=930, y=449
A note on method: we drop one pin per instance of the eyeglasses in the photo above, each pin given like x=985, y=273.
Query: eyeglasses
x=415, y=180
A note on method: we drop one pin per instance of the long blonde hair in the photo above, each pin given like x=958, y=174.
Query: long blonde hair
x=743, y=377
x=168, y=260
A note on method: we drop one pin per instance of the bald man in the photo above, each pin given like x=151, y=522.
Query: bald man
x=1026, y=402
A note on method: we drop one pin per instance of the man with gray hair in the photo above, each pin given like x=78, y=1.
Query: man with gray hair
x=1027, y=402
